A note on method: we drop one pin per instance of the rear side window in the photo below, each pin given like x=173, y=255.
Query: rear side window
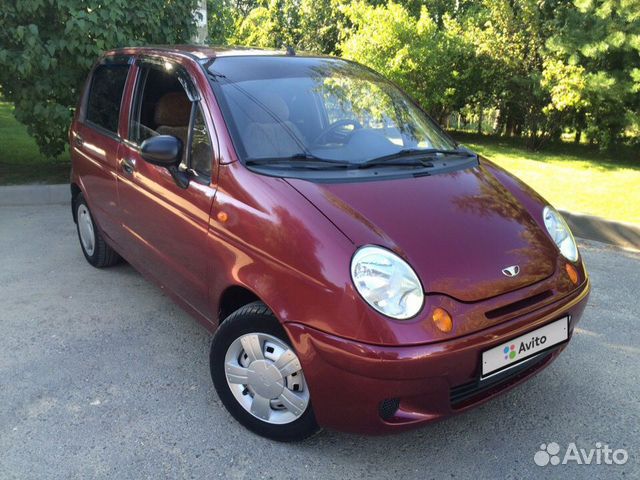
x=105, y=96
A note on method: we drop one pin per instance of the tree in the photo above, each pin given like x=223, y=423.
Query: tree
x=435, y=65
x=308, y=25
x=47, y=48
x=601, y=40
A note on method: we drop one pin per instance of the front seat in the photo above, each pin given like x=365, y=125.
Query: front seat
x=171, y=116
x=270, y=133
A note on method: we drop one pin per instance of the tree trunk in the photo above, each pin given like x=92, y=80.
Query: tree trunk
x=499, y=128
x=480, y=112
x=200, y=17
x=578, y=136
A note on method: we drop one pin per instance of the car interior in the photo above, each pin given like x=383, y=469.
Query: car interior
x=165, y=109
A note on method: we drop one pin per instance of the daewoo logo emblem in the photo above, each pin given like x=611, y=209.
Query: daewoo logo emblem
x=511, y=271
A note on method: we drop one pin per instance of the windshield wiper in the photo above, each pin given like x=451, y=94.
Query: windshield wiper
x=416, y=162
x=410, y=157
x=392, y=159
x=300, y=160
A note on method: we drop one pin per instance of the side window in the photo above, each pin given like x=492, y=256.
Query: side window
x=162, y=107
x=105, y=96
x=201, y=154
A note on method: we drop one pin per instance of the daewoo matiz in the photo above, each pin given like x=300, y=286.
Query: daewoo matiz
x=362, y=271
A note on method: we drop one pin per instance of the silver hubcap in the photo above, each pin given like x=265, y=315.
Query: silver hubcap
x=85, y=227
x=265, y=377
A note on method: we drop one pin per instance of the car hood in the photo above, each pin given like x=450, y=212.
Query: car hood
x=457, y=230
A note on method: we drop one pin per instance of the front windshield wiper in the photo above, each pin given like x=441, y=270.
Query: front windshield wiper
x=410, y=157
x=393, y=159
x=300, y=160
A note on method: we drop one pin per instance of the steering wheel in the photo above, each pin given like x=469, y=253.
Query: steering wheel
x=334, y=129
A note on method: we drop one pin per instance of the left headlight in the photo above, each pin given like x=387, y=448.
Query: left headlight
x=387, y=282
x=560, y=233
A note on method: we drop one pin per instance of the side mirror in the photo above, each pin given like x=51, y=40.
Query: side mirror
x=162, y=150
x=165, y=151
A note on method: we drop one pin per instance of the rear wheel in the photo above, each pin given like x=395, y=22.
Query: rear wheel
x=97, y=252
x=258, y=376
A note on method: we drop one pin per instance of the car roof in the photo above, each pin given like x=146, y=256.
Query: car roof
x=199, y=51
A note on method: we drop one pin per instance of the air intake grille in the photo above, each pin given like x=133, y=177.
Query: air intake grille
x=519, y=305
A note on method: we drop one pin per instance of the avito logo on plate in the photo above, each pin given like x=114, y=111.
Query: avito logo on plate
x=511, y=352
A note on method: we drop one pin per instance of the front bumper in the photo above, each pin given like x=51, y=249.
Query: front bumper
x=372, y=389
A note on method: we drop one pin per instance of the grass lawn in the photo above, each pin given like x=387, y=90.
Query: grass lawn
x=20, y=160
x=572, y=177
x=576, y=178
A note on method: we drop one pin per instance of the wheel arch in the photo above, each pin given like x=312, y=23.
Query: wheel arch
x=233, y=298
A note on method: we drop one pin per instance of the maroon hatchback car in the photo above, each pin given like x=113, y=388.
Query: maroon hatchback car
x=361, y=270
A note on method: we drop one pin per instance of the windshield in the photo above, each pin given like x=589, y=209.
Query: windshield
x=286, y=108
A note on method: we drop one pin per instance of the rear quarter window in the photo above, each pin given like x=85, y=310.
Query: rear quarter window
x=105, y=96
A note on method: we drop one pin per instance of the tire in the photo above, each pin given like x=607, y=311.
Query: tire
x=97, y=252
x=251, y=383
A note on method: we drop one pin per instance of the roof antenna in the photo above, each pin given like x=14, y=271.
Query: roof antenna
x=290, y=51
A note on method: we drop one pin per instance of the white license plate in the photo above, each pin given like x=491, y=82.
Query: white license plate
x=524, y=346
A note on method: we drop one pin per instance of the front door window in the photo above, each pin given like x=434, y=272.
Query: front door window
x=162, y=107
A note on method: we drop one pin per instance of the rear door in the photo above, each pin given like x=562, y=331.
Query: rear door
x=166, y=225
x=96, y=138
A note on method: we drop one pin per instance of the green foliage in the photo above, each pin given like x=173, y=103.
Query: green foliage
x=221, y=18
x=430, y=63
x=306, y=25
x=20, y=160
x=602, y=39
x=545, y=66
x=48, y=46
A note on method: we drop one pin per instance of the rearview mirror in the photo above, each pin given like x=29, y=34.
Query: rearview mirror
x=165, y=151
x=162, y=150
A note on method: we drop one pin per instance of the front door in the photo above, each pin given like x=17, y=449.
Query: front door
x=167, y=225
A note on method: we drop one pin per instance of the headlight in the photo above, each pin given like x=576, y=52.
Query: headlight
x=387, y=282
x=560, y=233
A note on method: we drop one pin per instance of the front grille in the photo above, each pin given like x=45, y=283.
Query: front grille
x=519, y=305
x=462, y=393
x=388, y=408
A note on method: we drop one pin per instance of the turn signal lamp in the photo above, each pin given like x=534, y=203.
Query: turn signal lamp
x=572, y=273
x=442, y=320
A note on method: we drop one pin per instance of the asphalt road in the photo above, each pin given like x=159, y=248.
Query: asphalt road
x=102, y=376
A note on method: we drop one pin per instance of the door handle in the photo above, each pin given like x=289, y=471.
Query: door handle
x=128, y=165
x=78, y=140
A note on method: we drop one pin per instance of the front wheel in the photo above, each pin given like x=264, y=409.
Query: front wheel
x=258, y=376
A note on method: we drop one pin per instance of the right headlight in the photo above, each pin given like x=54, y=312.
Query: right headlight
x=560, y=233
x=386, y=282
